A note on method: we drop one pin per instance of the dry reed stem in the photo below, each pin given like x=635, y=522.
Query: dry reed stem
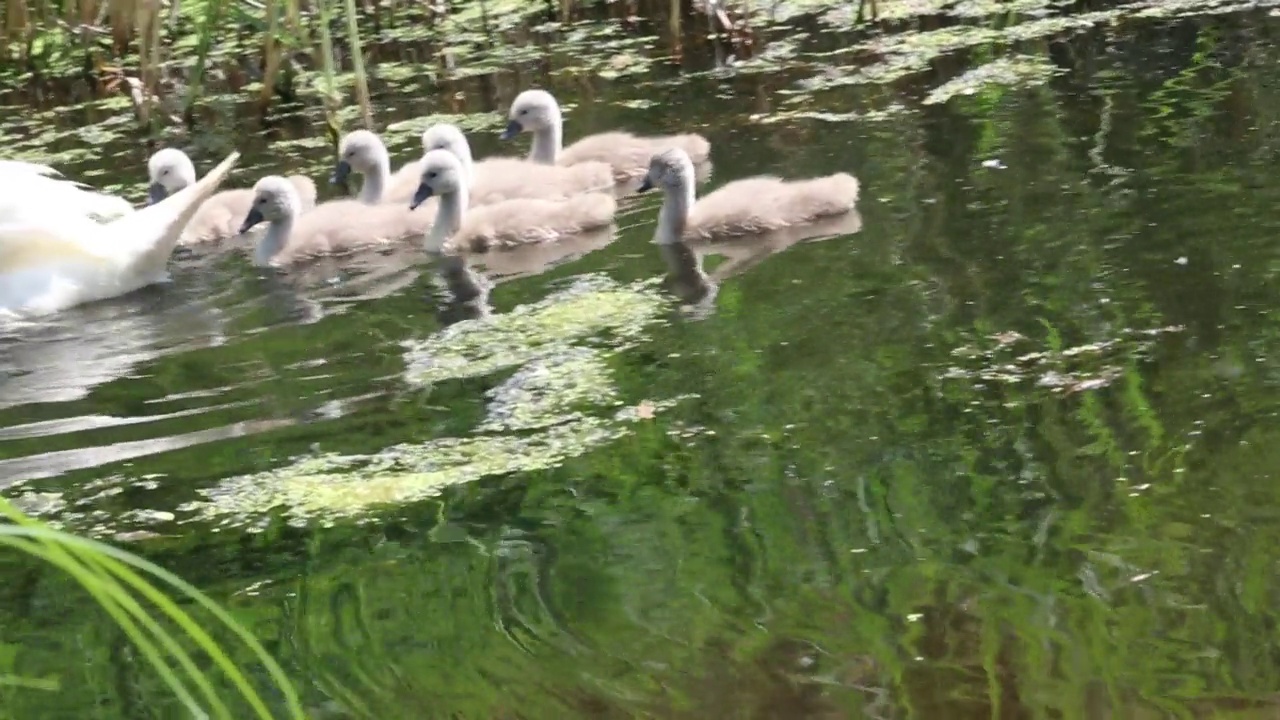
x=272, y=54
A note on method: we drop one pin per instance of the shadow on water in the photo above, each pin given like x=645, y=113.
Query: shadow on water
x=995, y=446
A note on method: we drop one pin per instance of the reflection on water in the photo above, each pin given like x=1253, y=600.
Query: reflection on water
x=687, y=279
x=997, y=446
x=62, y=358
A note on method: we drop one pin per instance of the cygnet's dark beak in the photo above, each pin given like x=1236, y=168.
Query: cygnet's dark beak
x=253, y=218
x=419, y=197
x=513, y=129
x=340, y=173
x=646, y=185
x=156, y=193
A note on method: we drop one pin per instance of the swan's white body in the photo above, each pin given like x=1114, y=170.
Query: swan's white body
x=31, y=192
x=58, y=260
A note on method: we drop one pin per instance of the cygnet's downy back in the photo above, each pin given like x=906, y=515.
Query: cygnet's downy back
x=506, y=224
x=332, y=228
x=537, y=112
x=743, y=207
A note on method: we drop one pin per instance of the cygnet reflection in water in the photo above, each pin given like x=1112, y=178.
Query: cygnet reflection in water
x=329, y=285
x=687, y=280
x=468, y=279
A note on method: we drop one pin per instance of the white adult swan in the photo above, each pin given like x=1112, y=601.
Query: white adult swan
x=29, y=191
x=56, y=261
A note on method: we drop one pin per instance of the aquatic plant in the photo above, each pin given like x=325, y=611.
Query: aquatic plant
x=120, y=582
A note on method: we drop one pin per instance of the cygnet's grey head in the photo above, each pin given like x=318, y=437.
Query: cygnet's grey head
x=360, y=151
x=274, y=198
x=441, y=175
x=533, y=110
x=669, y=170
x=443, y=136
x=169, y=171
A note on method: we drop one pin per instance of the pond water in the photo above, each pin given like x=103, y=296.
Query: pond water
x=996, y=449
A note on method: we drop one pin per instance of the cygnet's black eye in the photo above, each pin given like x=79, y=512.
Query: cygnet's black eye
x=524, y=112
x=431, y=175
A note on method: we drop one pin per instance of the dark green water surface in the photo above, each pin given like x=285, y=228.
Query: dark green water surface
x=1004, y=452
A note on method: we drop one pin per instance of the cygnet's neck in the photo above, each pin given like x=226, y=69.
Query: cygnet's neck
x=182, y=181
x=547, y=140
x=684, y=271
x=462, y=149
x=277, y=235
x=274, y=240
x=453, y=205
x=376, y=180
x=676, y=203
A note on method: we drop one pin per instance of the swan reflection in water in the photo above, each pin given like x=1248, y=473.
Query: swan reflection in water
x=62, y=357
x=687, y=280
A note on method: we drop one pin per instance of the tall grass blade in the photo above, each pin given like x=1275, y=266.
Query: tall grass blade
x=333, y=129
x=101, y=568
x=108, y=598
x=357, y=61
x=209, y=22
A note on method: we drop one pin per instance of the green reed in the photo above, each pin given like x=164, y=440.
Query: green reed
x=124, y=584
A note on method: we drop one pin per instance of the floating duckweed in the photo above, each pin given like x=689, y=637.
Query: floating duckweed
x=38, y=504
x=908, y=53
x=550, y=396
x=1187, y=8
x=1005, y=359
x=548, y=390
x=985, y=8
x=593, y=304
x=331, y=487
x=467, y=123
x=831, y=117
x=1017, y=71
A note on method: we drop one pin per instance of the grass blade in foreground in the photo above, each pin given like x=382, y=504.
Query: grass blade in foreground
x=107, y=572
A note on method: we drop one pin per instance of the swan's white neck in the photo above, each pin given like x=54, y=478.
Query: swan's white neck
x=274, y=240
x=547, y=141
x=453, y=206
x=143, y=241
x=376, y=180
x=676, y=204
